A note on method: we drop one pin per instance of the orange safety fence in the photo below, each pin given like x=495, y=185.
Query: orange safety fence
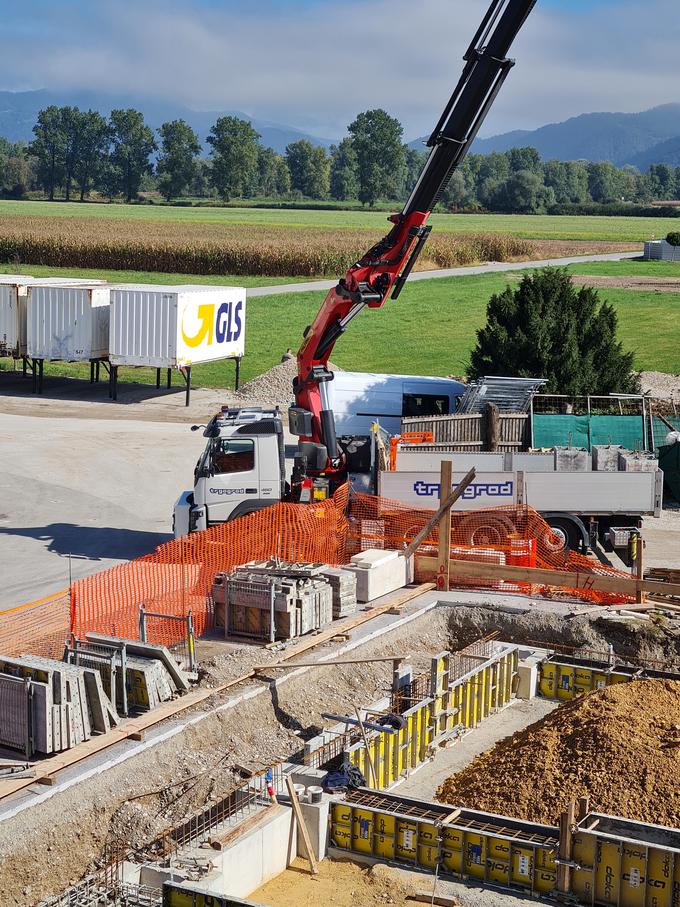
x=39, y=628
x=178, y=576
x=512, y=535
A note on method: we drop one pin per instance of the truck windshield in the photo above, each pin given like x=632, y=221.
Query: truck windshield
x=233, y=455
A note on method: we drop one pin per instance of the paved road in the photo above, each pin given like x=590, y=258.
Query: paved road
x=494, y=267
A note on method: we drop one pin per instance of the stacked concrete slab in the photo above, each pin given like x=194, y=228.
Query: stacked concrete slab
x=302, y=599
x=344, y=586
x=66, y=703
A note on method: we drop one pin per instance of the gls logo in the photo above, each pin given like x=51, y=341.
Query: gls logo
x=225, y=325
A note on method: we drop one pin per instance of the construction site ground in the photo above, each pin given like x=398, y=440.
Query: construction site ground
x=345, y=883
x=137, y=789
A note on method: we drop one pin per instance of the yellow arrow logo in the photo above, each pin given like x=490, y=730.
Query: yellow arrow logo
x=206, y=316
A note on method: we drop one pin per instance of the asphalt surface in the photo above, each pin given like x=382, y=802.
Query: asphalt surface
x=494, y=267
x=85, y=494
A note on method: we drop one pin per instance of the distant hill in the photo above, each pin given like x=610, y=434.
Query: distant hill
x=19, y=110
x=623, y=138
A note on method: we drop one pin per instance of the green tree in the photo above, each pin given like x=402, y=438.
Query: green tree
x=546, y=328
x=662, y=181
x=344, y=178
x=93, y=146
x=132, y=145
x=569, y=182
x=282, y=177
x=72, y=127
x=604, y=182
x=525, y=159
x=234, y=145
x=309, y=167
x=267, y=170
x=377, y=141
x=524, y=192
x=48, y=149
x=176, y=165
x=414, y=161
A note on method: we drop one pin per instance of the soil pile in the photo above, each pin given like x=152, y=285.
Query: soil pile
x=620, y=746
x=275, y=386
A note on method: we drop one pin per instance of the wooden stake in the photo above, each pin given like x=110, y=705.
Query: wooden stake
x=443, y=570
x=302, y=828
x=436, y=517
x=368, y=749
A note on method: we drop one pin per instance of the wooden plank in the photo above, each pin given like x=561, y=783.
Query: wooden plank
x=444, y=553
x=227, y=838
x=558, y=578
x=48, y=767
x=443, y=508
x=302, y=828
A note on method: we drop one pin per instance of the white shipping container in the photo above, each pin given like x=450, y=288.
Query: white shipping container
x=68, y=321
x=167, y=327
x=13, y=294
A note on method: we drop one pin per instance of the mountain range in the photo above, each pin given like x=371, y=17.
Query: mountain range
x=639, y=139
x=19, y=111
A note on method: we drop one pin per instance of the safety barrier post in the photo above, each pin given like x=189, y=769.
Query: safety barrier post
x=192, y=642
x=142, y=624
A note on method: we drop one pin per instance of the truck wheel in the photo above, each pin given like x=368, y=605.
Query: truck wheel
x=485, y=529
x=564, y=537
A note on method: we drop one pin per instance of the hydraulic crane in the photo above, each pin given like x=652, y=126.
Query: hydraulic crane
x=386, y=266
x=243, y=467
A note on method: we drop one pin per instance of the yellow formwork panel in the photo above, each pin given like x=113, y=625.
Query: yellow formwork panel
x=584, y=851
x=341, y=825
x=565, y=681
x=406, y=840
x=545, y=870
x=547, y=685
x=633, y=865
x=384, y=836
x=474, y=855
x=362, y=830
x=498, y=861
x=660, y=881
x=583, y=680
x=452, y=850
x=428, y=845
x=608, y=872
x=619, y=678
x=600, y=680
x=522, y=867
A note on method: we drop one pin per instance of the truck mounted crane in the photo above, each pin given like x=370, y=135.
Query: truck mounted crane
x=243, y=467
x=386, y=266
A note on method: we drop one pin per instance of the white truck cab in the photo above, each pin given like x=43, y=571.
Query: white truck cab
x=241, y=470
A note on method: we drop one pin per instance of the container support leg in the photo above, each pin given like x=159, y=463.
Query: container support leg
x=158, y=378
x=169, y=378
x=187, y=378
x=41, y=364
x=238, y=372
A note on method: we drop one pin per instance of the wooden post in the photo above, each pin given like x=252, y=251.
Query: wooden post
x=492, y=419
x=368, y=749
x=302, y=828
x=566, y=846
x=640, y=598
x=436, y=517
x=443, y=569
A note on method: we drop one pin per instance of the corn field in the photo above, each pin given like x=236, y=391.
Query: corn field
x=271, y=251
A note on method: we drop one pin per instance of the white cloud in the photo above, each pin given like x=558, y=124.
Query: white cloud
x=316, y=69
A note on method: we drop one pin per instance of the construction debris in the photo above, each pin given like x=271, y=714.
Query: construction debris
x=619, y=746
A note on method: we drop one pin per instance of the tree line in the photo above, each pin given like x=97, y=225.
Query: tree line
x=77, y=153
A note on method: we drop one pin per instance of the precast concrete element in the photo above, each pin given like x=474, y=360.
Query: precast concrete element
x=378, y=573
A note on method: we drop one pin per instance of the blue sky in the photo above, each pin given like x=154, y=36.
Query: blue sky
x=315, y=63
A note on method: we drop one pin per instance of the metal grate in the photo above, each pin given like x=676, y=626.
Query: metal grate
x=510, y=395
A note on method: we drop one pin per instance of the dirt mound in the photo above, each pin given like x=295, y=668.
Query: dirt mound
x=620, y=746
x=275, y=386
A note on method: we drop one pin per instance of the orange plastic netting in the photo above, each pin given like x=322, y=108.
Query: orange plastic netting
x=178, y=576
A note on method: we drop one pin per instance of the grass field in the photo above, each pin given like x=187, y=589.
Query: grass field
x=609, y=229
x=431, y=328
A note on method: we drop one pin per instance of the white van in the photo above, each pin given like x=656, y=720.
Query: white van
x=358, y=399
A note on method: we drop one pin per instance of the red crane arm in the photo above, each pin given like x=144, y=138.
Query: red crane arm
x=387, y=265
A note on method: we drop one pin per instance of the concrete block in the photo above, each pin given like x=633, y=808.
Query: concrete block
x=572, y=459
x=315, y=816
x=378, y=573
x=528, y=680
x=638, y=461
x=606, y=457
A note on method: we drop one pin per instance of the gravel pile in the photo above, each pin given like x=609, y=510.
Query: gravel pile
x=660, y=385
x=274, y=387
x=619, y=746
